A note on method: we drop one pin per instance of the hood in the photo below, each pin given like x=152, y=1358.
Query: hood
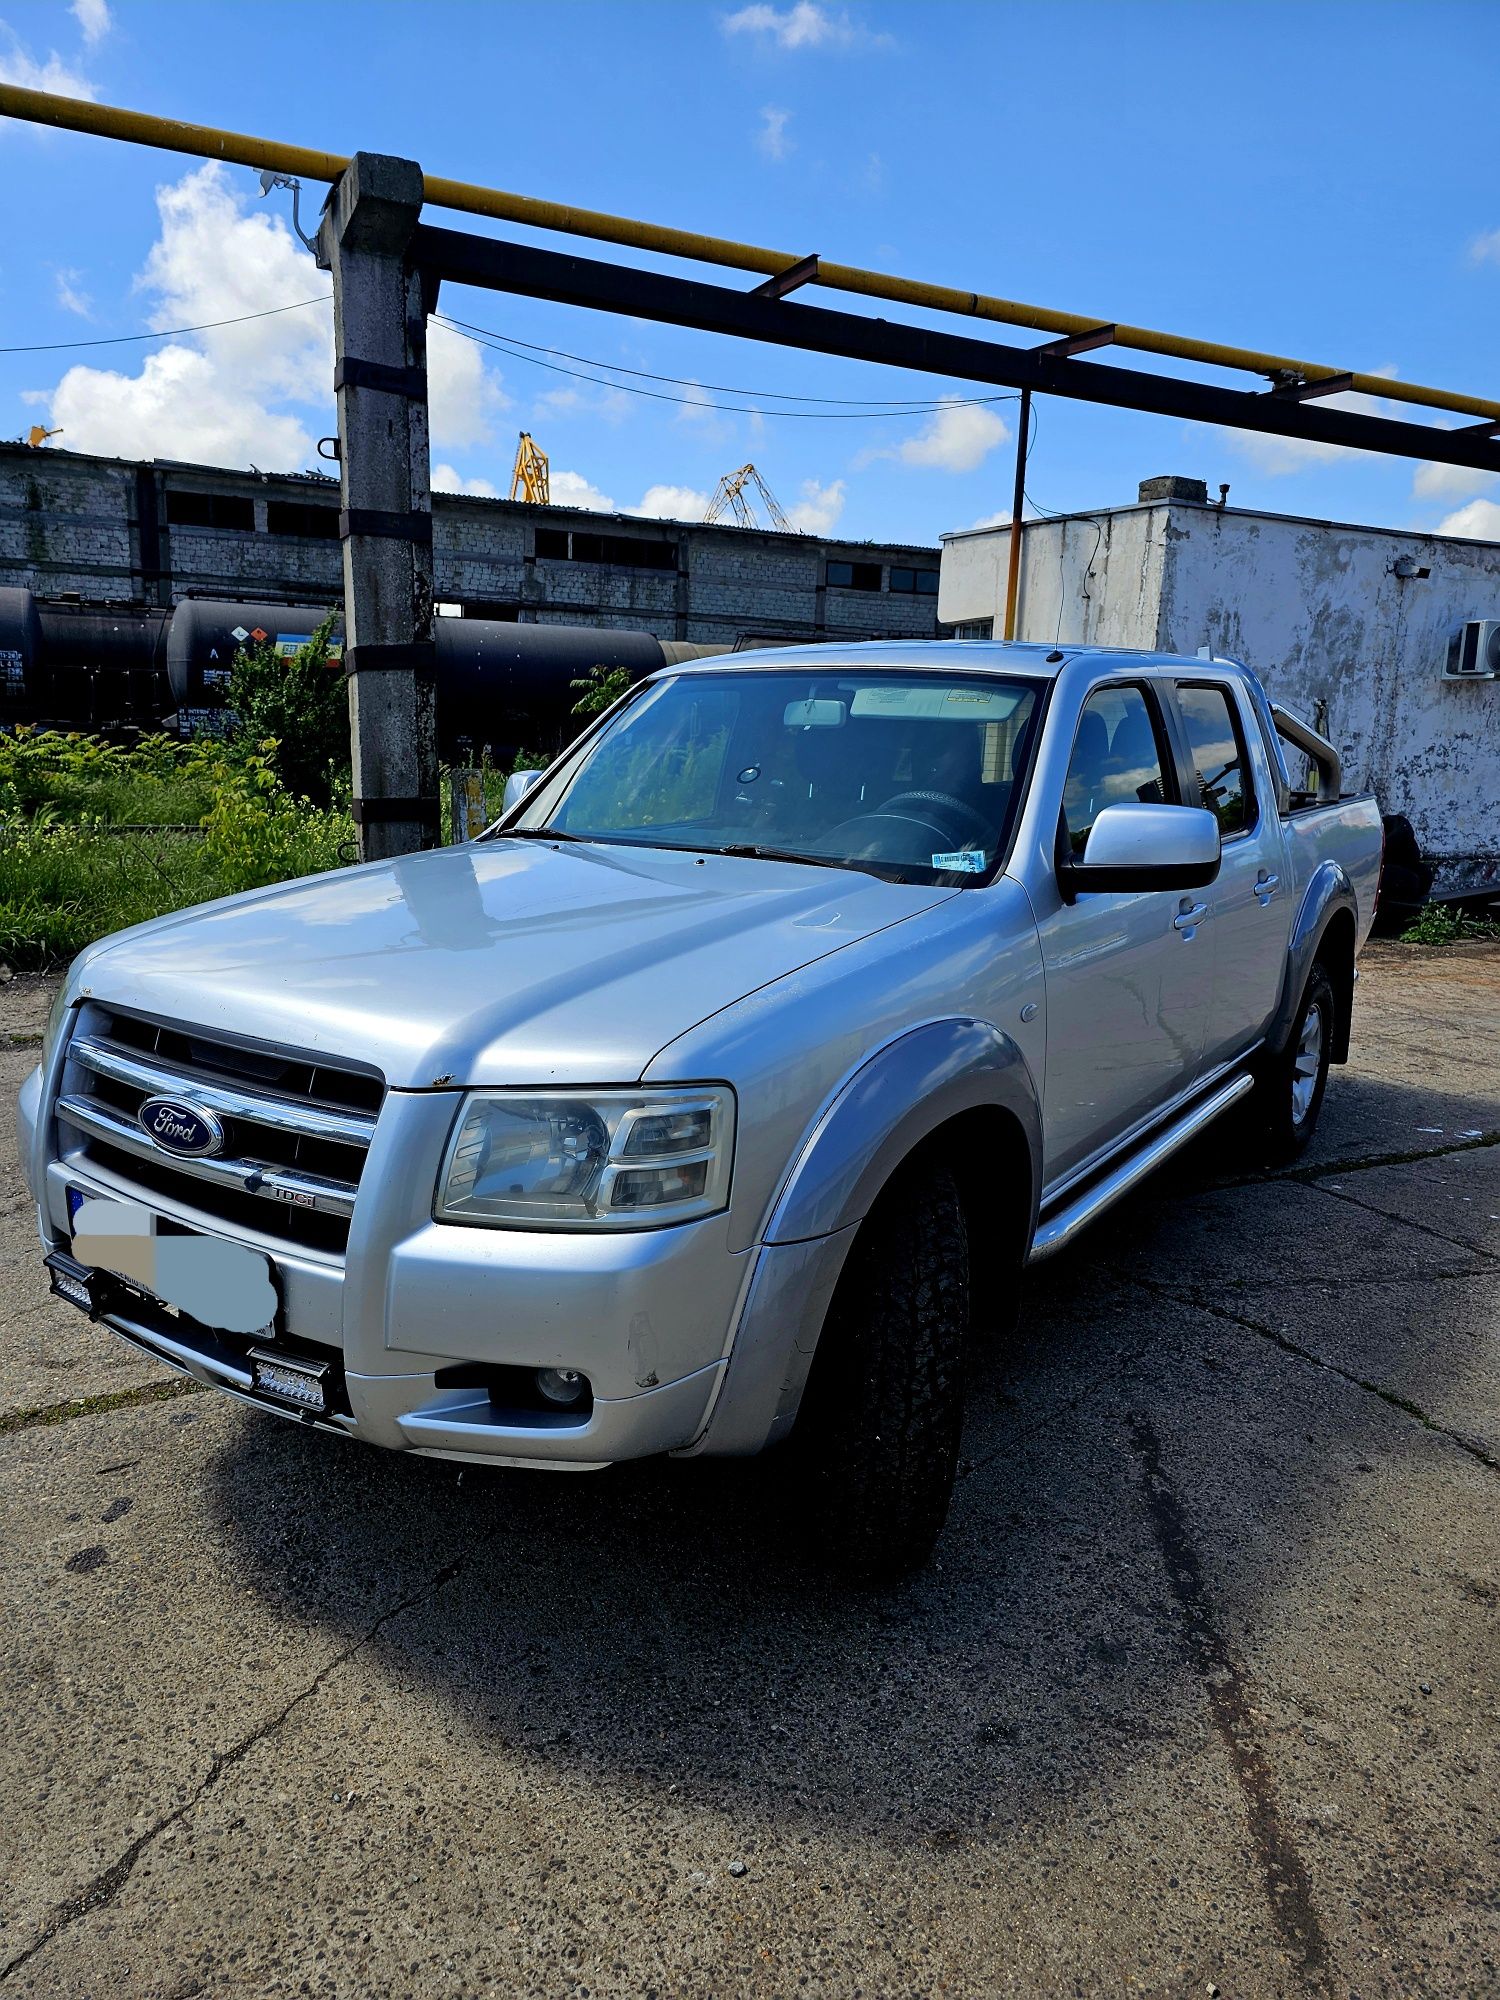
x=500, y=962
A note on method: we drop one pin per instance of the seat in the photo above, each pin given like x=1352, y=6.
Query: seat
x=1086, y=791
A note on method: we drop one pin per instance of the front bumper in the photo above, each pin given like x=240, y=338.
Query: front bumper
x=407, y=1412
x=645, y=1315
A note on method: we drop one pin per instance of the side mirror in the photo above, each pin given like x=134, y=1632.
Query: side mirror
x=517, y=785
x=1138, y=847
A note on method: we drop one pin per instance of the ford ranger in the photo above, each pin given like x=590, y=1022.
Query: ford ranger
x=706, y=1098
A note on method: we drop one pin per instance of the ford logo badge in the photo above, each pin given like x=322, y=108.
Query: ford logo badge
x=180, y=1128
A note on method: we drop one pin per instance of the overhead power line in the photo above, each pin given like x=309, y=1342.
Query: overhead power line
x=530, y=352
x=901, y=403
x=500, y=343
x=167, y=333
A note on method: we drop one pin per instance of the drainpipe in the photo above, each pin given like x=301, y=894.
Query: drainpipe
x=1018, y=502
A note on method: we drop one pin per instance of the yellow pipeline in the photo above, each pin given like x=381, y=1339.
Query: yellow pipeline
x=309, y=163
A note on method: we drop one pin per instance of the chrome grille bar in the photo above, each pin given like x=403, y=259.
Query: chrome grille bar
x=277, y=1114
x=287, y=1185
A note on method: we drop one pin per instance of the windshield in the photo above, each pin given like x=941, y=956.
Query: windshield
x=910, y=775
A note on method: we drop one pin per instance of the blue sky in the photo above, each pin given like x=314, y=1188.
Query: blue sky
x=1314, y=180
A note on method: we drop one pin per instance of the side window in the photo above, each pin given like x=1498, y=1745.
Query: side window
x=1218, y=755
x=1116, y=761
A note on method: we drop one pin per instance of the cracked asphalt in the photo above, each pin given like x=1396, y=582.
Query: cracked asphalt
x=1199, y=1697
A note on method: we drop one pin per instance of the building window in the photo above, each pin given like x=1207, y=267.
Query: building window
x=853, y=576
x=624, y=551
x=296, y=517
x=619, y=551
x=923, y=582
x=975, y=628
x=487, y=607
x=209, y=510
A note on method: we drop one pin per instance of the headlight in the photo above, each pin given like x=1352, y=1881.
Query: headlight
x=597, y=1159
x=55, y=1020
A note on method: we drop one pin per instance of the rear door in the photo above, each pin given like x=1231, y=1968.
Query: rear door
x=1250, y=903
x=1128, y=984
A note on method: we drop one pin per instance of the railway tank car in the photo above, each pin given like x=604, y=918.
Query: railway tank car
x=122, y=669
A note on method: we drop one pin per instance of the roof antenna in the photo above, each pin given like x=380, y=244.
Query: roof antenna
x=1223, y=500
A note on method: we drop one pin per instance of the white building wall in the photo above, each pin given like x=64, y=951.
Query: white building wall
x=1314, y=607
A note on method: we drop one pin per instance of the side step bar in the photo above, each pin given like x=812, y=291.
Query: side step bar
x=1055, y=1231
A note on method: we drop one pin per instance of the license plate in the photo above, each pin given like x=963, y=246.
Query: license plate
x=226, y=1286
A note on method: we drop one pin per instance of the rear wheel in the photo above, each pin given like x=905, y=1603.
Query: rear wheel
x=880, y=1423
x=1291, y=1085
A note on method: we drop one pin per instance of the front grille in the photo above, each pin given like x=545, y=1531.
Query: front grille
x=296, y=1127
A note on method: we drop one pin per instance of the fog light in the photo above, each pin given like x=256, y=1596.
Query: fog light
x=561, y=1385
x=296, y=1383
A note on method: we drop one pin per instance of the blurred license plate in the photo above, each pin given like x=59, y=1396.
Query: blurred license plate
x=226, y=1286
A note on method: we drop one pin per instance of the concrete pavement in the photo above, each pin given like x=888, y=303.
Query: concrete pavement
x=1199, y=1695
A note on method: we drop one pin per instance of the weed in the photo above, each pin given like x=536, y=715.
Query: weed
x=1448, y=923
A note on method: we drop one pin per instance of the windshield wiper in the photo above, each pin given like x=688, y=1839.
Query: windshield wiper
x=748, y=850
x=536, y=833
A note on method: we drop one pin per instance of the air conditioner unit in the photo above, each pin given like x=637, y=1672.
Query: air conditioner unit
x=1474, y=652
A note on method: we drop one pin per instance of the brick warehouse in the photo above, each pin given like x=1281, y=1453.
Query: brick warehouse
x=158, y=532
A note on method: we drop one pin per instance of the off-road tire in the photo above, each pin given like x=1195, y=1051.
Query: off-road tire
x=1285, y=1132
x=880, y=1423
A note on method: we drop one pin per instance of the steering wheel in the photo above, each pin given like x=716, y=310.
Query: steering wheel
x=943, y=799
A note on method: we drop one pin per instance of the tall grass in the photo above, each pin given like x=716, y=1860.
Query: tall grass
x=68, y=876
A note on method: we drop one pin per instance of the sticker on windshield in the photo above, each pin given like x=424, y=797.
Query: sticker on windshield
x=936, y=704
x=967, y=861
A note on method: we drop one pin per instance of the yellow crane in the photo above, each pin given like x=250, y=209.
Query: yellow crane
x=729, y=499
x=38, y=435
x=529, y=479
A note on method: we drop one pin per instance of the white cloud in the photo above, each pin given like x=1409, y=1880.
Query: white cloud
x=70, y=294
x=181, y=405
x=613, y=405
x=448, y=479
x=772, y=137
x=818, y=511
x=955, y=438
x=804, y=25
x=672, y=503
x=700, y=414
x=1449, y=482
x=462, y=393
x=1481, y=519
x=1000, y=520
x=19, y=66
x=221, y=397
x=92, y=17
x=571, y=489
x=1486, y=249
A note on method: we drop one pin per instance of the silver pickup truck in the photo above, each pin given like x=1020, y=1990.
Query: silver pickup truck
x=709, y=1097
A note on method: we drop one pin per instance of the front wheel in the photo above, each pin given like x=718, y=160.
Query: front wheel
x=880, y=1423
x=1291, y=1085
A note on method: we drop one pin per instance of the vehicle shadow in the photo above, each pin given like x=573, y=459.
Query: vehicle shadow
x=662, y=1626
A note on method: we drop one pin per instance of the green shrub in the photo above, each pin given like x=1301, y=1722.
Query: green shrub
x=302, y=704
x=602, y=688
x=257, y=833
x=1448, y=923
x=69, y=876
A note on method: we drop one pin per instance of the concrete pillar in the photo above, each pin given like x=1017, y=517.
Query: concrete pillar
x=385, y=523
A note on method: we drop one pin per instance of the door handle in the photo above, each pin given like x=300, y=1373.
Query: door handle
x=1266, y=887
x=1187, y=921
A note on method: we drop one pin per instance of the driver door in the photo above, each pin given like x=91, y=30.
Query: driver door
x=1128, y=983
